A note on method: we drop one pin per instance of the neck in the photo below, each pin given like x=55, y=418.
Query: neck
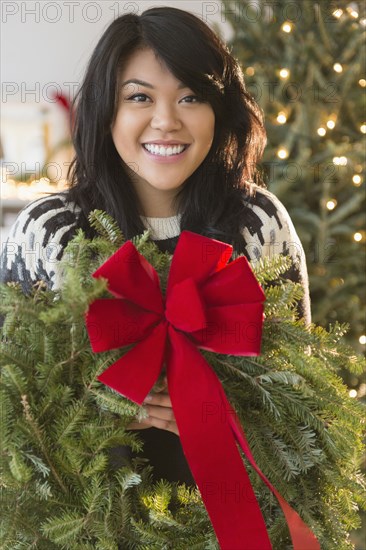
x=155, y=203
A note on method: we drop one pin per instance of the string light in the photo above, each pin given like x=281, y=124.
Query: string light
x=282, y=153
x=286, y=26
x=281, y=117
x=250, y=71
x=337, y=13
x=330, y=124
x=362, y=339
x=340, y=161
x=284, y=73
x=331, y=204
x=336, y=282
x=321, y=131
x=352, y=393
x=31, y=190
x=357, y=180
x=363, y=128
x=357, y=237
x=337, y=67
x=352, y=12
x=362, y=82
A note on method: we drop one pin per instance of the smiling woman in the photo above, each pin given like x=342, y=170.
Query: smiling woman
x=166, y=138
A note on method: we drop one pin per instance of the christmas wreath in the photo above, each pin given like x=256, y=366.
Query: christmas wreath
x=60, y=423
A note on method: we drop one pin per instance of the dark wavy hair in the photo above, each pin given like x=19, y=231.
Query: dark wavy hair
x=213, y=199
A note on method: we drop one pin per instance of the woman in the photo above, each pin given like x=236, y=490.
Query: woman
x=166, y=138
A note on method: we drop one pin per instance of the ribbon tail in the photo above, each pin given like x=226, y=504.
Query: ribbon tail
x=301, y=535
x=210, y=448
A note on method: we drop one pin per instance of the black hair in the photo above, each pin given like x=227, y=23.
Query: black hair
x=212, y=200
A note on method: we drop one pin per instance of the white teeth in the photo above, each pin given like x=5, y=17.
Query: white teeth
x=164, y=151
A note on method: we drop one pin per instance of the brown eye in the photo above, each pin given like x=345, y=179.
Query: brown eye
x=195, y=99
x=135, y=96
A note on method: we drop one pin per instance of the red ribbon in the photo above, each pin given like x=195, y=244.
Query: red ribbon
x=210, y=304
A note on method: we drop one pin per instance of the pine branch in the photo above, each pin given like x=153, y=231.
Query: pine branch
x=106, y=227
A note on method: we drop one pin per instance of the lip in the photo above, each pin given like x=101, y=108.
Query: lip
x=165, y=160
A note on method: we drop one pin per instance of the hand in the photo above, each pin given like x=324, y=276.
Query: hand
x=159, y=408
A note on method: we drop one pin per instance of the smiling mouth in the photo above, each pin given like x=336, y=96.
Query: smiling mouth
x=167, y=151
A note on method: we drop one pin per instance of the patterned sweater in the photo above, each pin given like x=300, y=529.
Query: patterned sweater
x=43, y=228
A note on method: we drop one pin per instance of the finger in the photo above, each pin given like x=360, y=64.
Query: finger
x=161, y=386
x=161, y=399
x=169, y=425
x=136, y=425
x=165, y=413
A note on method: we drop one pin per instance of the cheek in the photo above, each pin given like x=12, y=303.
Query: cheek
x=206, y=127
x=126, y=130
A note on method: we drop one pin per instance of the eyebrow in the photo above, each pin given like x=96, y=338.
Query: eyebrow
x=147, y=85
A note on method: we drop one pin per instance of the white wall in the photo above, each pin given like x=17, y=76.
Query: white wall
x=48, y=41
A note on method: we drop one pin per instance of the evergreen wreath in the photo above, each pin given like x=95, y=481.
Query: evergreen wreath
x=59, y=424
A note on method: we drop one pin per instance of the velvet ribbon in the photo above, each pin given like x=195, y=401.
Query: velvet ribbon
x=213, y=305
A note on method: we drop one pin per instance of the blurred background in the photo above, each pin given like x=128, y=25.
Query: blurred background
x=304, y=63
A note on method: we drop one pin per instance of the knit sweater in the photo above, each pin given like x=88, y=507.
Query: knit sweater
x=42, y=230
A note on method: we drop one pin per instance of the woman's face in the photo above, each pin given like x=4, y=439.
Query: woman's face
x=161, y=131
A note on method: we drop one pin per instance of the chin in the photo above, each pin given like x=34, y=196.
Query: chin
x=160, y=185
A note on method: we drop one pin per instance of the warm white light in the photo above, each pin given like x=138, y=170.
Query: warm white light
x=286, y=27
x=282, y=153
x=352, y=12
x=337, y=67
x=340, y=161
x=356, y=180
x=330, y=124
x=357, y=237
x=337, y=13
x=321, y=131
x=362, y=82
x=28, y=191
x=284, y=73
x=331, y=204
x=250, y=71
x=362, y=339
x=363, y=128
x=281, y=117
x=352, y=393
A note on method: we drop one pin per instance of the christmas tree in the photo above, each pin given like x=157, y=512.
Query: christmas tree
x=59, y=424
x=305, y=65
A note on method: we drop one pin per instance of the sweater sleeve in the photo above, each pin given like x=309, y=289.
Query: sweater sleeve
x=271, y=232
x=36, y=243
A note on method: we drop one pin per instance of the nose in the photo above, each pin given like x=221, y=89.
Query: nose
x=165, y=118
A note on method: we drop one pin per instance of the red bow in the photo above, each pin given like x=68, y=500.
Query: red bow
x=213, y=305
